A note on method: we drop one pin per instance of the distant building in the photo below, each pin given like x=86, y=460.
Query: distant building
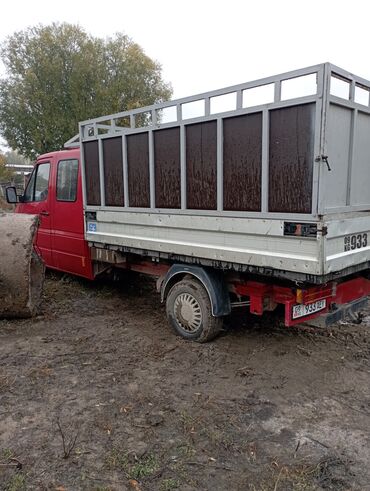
x=23, y=170
x=20, y=169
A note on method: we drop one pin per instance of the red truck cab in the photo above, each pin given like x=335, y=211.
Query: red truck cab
x=54, y=192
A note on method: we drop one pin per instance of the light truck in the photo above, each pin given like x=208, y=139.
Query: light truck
x=252, y=196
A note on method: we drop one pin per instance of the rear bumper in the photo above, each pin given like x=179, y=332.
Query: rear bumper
x=341, y=300
x=346, y=311
x=331, y=301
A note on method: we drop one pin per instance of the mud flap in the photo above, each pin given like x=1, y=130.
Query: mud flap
x=21, y=269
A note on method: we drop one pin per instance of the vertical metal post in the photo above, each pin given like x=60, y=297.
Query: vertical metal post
x=321, y=87
x=207, y=106
x=352, y=146
x=125, y=171
x=352, y=143
x=151, y=169
x=265, y=161
x=101, y=172
x=178, y=112
x=132, y=120
x=352, y=88
x=277, y=91
x=82, y=166
x=324, y=101
x=154, y=117
x=183, y=166
x=352, y=134
x=239, y=99
x=220, y=166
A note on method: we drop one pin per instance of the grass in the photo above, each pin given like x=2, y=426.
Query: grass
x=7, y=453
x=169, y=484
x=141, y=468
x=117, y=460
x=188, y=422
x=330, y=472
x=220, y=438
x=144, y=467
x=16, y=483
x=186, y=450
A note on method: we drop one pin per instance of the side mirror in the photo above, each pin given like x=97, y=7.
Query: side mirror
x=11, y=194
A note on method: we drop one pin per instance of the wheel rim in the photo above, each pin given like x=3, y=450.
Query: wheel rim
x=188, y=312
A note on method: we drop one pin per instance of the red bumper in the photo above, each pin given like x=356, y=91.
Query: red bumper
x=264, y=296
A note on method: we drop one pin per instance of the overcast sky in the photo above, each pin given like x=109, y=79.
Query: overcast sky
x=204, y=44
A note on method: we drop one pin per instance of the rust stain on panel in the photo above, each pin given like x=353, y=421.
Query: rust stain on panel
x=113, y=171
x=92, y=176
x=138, y=170
x=291, y=159
x=167, y=168
x=242, y=162
x=201, y=166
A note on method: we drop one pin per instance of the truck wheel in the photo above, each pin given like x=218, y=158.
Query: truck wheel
x=189, y=312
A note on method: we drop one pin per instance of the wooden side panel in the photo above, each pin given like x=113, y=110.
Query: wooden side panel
x=291, y=159
x=92, y=176
x=201, y=166
x=167, y=168
x=113, y=171
x=242, y=161
x=138, y=170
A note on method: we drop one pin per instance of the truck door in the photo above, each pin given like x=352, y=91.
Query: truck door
x=70, y=250
x=36, y=200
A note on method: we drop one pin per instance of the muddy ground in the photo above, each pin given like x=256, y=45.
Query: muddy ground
x=262, y=407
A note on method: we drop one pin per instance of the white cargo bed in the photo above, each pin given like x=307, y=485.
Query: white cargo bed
x=249, y=242
x=228, y=188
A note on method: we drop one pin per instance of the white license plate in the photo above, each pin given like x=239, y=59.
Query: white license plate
x=301, y=310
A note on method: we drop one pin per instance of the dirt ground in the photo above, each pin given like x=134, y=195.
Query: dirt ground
x=98, y=394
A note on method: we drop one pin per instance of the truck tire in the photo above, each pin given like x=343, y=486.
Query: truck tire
x=189, y=312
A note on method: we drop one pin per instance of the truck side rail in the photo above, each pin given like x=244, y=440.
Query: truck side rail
x=297, y=179
x=258, y=109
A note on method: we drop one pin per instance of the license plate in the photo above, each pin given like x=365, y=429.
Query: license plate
x=301, y=310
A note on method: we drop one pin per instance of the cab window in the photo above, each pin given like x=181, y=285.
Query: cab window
x=37, y=187
x=28, y=193
x=67, y=180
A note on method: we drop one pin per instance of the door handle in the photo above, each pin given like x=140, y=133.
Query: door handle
x=44, y=213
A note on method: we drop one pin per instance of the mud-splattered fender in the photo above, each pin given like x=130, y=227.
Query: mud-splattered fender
x=212, y=280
